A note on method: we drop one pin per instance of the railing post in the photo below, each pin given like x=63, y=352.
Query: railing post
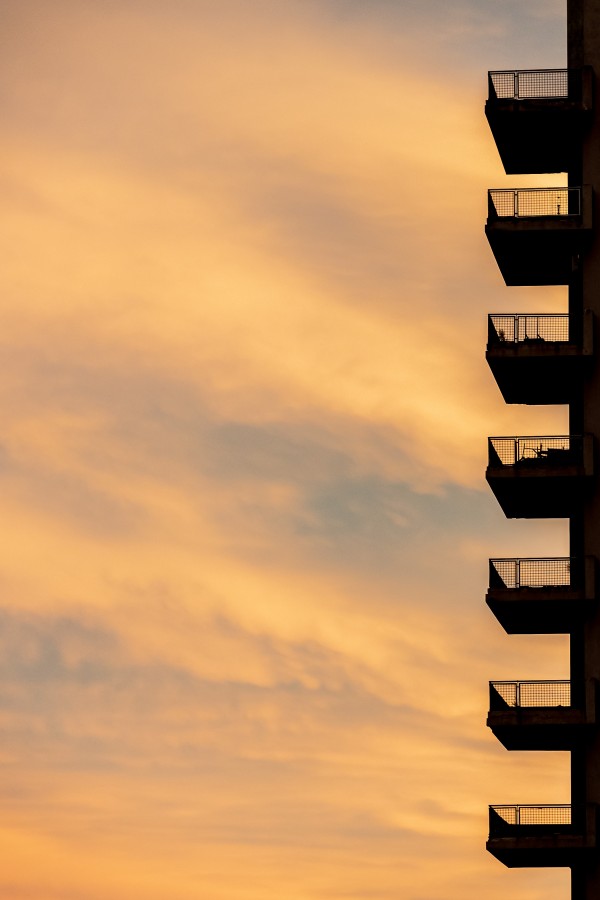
x=517, y=694
x=589, y=577
x=516, y=204
x=587, y=453
x=516, y=86
x=517, y=573
x=574, y=201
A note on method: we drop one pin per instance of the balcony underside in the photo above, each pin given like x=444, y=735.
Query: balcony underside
x=540, y=610
x=546, y=847
x=547, y=728
x=537, y=250
x=544, y=835
x=531, y=490
x=536, y=135
x=544, y=372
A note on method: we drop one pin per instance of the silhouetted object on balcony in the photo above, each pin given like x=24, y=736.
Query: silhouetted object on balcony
x=539, y=358
x=542, y=596
x=540, y=477
x=538, y=234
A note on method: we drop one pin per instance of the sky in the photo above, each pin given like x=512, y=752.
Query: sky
x=244, y=521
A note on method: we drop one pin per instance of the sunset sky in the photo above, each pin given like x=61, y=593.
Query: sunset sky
x=244, y=521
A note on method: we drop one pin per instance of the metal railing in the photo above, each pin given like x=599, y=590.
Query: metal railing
x=514, y=574
x=521, y=816
x=523, y=328
x=529, y=694
x=534, y=202
x=531, y=84
x=555, y=451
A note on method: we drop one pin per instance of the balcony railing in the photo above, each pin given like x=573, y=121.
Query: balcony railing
x=514, y=574
x=543, y=834
x=540, y=715
x=535, y=452
x=537, y=117
x=522, y=203
x=530, y=819
x=542, y=596
x=528, y=329
x=532, y=84
x=526, y=694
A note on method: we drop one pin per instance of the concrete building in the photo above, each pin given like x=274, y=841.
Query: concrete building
x=549, y=121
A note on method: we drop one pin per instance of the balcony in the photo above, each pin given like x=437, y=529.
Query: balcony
x=538, y=359
x=537, y=117
x=536, y=715
x=542, y=596
x=542, y=835
x=539, y=477
x=537, y=234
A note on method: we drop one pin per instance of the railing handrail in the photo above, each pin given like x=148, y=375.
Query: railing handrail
x=534, y=681
x=535, y=190
x=517, y=807
x=531, y=805
x=523, y=71
x=520, y=559
x=510, y=315
x=535, y=437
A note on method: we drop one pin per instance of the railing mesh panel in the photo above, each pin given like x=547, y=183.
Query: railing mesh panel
x=531, y=84
x=555, y=451
x=534, y=815
x=533, y=328
x=532, y=573
x=543, y=84
x=536, y=202
x=505, y=85
x=534, y=693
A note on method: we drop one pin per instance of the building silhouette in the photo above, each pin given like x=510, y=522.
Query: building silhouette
x=548, y=121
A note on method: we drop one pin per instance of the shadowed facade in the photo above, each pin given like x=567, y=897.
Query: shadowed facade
x=548, y=121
